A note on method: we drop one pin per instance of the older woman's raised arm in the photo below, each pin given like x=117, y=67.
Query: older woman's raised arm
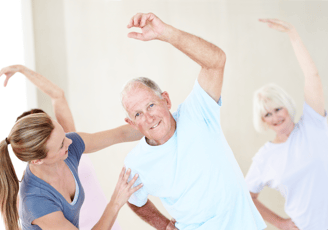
x=313, y=89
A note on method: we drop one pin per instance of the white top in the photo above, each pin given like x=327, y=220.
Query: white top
x=298, y=168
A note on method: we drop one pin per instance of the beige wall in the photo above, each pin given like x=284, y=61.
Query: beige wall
x=82, y=46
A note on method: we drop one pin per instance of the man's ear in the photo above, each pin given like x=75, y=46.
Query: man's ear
x=128, y=120
x=166, y=97
x=37, y=162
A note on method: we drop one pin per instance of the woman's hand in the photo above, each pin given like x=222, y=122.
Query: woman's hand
x=278, y=25
x=288, y=224
x=9, y=71
x=123, y=189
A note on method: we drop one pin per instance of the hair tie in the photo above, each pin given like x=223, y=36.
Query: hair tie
x=8, y=143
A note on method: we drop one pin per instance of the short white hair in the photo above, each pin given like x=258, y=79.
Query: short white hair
x=142, y=80
x=267, y=98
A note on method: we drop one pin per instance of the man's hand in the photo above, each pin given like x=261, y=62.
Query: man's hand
x=171, y=225
x=9, y=72
x=288, y=224
x=151, y=26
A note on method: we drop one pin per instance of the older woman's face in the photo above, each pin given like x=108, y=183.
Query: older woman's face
x=278, y=119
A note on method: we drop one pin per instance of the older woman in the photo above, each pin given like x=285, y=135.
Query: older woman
x=51, y=191
x=295, y=162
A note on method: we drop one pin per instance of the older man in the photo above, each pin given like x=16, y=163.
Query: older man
x=184, y=158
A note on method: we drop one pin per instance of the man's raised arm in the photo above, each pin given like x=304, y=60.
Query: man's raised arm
x=210, y=57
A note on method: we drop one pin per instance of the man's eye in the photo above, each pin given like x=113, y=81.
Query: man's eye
x=151, y=105
x=137, y=115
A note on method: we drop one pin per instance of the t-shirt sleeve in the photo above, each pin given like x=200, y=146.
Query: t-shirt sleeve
x=140, y=197
x=253, y=179
x=38, y=206
x=200, y=106
x=76, y=149
x=310, y=116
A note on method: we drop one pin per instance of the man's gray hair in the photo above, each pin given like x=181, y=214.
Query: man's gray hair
x=143, y=80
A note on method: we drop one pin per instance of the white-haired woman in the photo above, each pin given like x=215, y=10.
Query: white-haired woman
x=295, y=162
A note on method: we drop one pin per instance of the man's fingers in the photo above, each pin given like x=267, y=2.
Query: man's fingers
x=143, y=20
x=133, y=20
x=136, y=20
x=135, y=35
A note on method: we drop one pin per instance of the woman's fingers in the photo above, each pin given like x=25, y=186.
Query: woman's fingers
x=122, y=173
x=126, y=175
x=133, y=190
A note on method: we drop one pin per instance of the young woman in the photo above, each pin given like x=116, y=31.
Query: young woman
x=51, y=192
x=295, y=162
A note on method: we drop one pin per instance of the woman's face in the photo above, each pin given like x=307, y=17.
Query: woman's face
x=278, y=119
x=57, y=145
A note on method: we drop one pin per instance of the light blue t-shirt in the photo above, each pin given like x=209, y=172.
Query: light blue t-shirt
x=195, y=173
x=38, y=198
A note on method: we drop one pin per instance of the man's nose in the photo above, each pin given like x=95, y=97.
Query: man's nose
x=149, y=117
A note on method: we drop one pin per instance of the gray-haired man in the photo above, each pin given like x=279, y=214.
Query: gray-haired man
x=184, y=158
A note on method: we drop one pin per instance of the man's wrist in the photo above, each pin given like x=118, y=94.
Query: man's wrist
x=168, y=34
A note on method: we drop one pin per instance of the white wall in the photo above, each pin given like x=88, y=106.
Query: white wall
x=82, y=46
x=16, y=47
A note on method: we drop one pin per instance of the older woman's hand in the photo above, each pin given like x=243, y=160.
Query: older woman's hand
x=288, y=224
x=278, y=25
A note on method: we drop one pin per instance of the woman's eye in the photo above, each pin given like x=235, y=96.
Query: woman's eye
x=278, y=109
x=151, y=105
x=266, y=115
x=137, y=115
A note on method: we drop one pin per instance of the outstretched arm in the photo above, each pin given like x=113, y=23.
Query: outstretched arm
x=150, y=214
x=100, y=140
x=313, y=89
x=210, y=57
x=93, y=142
x=61, y=109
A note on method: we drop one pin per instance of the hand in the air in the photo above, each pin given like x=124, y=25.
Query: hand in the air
x=9, y=71
x=171, y=225
x=151, y=27
x=278, y=24
x=123, y=189
x=288, y=224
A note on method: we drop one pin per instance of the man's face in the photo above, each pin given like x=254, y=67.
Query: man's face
x=150, y=114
